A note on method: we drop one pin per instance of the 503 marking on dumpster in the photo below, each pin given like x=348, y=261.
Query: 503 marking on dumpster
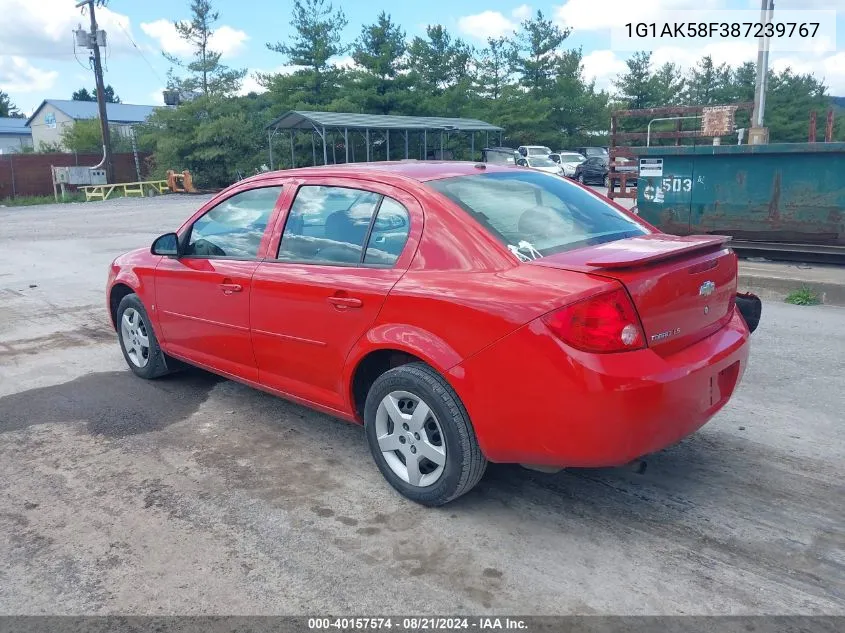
x=677, y=185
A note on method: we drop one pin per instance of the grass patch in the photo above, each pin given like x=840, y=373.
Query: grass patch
x=804, y=296
x=29, y=201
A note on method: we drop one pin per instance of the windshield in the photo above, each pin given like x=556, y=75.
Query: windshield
x=596, y=151
x=539, y=151
x=572, y=159
x=501, y=158
x=535, y=214
x=537, y=161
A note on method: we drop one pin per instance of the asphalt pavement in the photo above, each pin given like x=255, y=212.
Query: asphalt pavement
x=197, y=495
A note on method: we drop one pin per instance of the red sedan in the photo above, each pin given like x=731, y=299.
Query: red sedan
x=462, y=313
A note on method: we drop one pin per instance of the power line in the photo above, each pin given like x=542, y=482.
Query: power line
x=141, y=53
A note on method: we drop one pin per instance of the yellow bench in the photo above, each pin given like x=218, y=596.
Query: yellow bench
x=102, y=192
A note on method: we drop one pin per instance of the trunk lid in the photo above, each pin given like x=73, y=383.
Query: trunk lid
x=683, y=288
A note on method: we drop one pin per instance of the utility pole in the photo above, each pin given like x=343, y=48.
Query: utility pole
x=758, y=134
x=94, y=45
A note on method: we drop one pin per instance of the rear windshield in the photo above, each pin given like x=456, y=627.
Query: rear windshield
x=536, y=214
x=501, y=158
x=572, y=158
x=539, y=151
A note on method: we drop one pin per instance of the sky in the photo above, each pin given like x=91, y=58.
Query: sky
x=38, y=60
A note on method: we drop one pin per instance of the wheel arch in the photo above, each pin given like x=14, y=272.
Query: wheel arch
x=117, y=292
x=388, y=346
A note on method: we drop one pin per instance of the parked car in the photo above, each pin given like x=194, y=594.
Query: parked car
x=500, y=155
x=589, y=152
x=541, y=163
x=596, y=171
x=568, y=161
x=592, y=171
x=462, y=313
x=534, y=150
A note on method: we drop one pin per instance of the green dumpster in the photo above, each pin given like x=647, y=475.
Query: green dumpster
x=788, y=192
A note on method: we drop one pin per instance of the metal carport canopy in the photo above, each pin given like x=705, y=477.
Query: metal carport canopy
x=346, y=122
x=307, y=120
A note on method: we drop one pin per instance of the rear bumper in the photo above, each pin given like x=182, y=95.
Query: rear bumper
x=534, y=400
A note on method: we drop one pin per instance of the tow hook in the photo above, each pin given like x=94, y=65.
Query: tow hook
x=750, y=308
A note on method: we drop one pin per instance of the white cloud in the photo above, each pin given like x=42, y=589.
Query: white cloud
x=831, y=69
x=18, y=75
x=344, y=62
x=489, y=24
x=603, y=66
x=43, y=29
x=157, y=97
x=732, y=53
x=485, y=24
x=250, y=82
x=225, y=40
x=591, y=15
x=522, y=12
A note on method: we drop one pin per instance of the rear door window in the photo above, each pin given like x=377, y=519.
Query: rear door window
x=389, y=234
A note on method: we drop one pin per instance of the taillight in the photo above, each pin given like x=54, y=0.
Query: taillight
x=605, y=323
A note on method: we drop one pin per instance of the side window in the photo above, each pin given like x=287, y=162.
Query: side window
x=234, y=227
x=328, y=224
x=389, y=234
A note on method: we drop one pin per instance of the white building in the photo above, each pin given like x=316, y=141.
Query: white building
x=53, y=115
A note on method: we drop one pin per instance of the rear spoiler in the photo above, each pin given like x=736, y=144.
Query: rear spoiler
x=646, y=249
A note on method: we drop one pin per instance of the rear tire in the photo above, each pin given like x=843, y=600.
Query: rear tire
x=402, y=442
x=138, y=341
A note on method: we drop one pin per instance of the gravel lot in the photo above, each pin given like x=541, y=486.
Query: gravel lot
x=198, y=495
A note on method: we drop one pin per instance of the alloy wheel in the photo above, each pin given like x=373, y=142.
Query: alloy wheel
x=410, y=438
x=133, y=333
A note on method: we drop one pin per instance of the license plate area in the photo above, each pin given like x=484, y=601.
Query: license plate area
x=723, y=384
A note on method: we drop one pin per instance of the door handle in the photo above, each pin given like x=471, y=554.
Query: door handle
x=342, y=303
x=228, y=287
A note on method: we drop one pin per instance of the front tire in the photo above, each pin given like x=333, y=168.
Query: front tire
x=581, y=178
x=138, y=341
x=420, y=435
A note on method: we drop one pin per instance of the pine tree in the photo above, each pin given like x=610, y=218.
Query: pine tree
x=493, y=68
x=379, y=53
x=636, y=87
x=205, y=73
x=316, y=40
x=535, y=51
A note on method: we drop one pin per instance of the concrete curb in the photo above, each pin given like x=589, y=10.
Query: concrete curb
x=776, y=286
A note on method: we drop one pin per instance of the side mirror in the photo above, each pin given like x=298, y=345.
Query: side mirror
x=167, y=244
